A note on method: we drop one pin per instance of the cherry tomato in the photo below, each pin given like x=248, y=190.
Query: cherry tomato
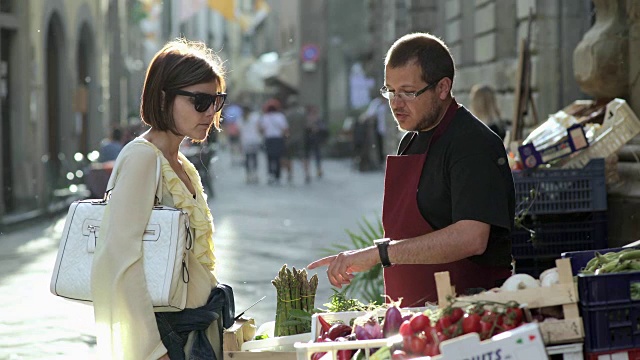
x=471, y=323
x=485, y=329
x=443, y=323
x=490, y=316
x=514, y=315
x=456, y=314
x=405, y=328
x=431, y=350
x=406, y=343
x=417, y=344
x=442, y=337
x=420, y=322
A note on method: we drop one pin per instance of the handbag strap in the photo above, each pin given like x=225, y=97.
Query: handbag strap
x=112, y=180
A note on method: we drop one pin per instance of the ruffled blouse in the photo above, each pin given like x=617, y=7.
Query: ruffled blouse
x=198, y=209
x=125, y=322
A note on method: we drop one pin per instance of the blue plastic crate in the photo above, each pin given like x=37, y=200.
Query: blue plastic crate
x=557, y=234
x=611, y=327
x=603, y=289
x=610, y=311
x=561, y=191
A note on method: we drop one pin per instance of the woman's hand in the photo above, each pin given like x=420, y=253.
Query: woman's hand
x=165, y=357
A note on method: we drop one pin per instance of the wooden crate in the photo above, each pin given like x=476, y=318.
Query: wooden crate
x=570, y=329
x=244, y=329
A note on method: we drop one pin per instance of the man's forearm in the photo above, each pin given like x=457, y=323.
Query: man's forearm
x=455, y=242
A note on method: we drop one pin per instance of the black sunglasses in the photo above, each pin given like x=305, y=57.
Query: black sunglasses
x=202, y=101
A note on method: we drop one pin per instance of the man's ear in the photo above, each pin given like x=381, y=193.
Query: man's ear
x=444, y=88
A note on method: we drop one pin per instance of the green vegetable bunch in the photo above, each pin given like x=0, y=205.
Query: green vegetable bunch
x=613, y=262
x=295, y=301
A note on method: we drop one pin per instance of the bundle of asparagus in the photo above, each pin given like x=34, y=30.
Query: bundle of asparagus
x=294, y=294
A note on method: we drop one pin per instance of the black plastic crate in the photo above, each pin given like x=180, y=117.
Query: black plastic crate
x=611, y=327
x=534, y=266
x=561, y=191
x=555, y=234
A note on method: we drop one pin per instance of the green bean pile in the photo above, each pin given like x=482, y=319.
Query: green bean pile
x=613, y=262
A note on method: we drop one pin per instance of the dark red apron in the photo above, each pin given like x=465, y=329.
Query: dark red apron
x=401, y=219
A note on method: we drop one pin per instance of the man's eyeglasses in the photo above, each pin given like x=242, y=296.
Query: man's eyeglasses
x=202, y=101
x=405, y=96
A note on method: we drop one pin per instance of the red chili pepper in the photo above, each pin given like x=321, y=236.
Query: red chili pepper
x=324, y=324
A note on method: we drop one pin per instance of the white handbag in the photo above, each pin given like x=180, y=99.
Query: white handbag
x=166, y=241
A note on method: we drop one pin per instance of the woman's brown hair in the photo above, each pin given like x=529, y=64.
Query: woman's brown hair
x=180, y=63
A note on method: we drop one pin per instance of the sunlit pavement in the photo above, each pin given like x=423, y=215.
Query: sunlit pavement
x=258, y=229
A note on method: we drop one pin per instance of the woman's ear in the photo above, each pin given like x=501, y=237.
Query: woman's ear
x=444, y=88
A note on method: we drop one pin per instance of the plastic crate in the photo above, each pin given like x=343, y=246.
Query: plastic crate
x=561, y=191
x=534, y=266
x=557, y=234
x=603, y=289
x=610, y=312
x=611, y=327
x=629, y=354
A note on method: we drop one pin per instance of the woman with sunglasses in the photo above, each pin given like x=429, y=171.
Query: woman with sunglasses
x=182, y=97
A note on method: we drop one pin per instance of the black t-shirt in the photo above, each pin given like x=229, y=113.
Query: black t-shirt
x=466, y=176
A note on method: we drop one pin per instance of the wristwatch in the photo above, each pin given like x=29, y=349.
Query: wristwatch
x=383, y=245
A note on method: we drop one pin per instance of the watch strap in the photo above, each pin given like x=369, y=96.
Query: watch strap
x=383, y=251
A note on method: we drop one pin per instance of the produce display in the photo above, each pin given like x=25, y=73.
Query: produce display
x=295, y=295
x=421, y=333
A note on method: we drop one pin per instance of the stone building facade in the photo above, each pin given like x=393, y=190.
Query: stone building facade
x=63, y=81
x=484, y=37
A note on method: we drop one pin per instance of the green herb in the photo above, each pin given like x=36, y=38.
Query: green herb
x=339, y=302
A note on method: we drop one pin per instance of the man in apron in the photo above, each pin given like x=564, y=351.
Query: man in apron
x=449, y=198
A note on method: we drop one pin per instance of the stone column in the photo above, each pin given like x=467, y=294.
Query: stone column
x=601, y=59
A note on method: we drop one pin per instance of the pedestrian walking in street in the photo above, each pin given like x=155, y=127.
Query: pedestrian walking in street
x=182, y=97
x=449, y=199
x=250, y=141
x=294, y=142
x=274, y=128
x=232, y=116
x=315, y=135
